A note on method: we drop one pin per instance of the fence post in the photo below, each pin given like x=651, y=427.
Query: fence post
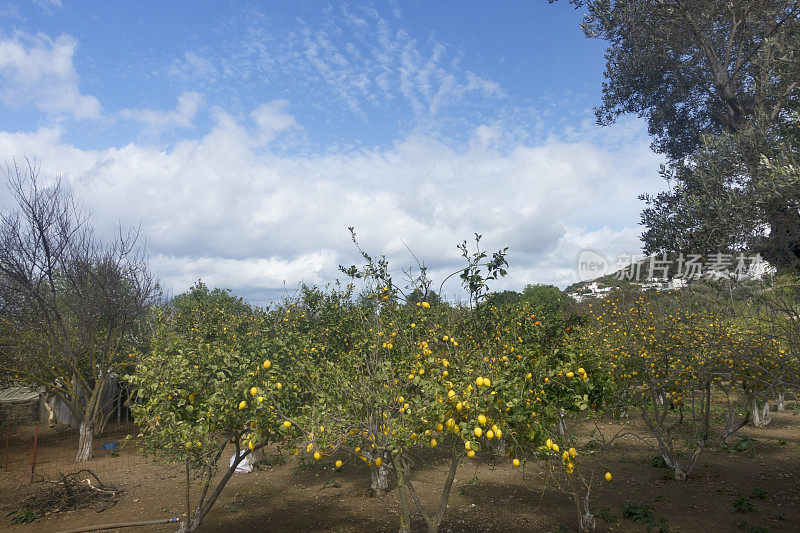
x=35, y=444
x=8, y=435
x=119, y=405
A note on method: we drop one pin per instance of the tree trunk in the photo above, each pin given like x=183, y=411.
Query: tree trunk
x=85, y=441
x=781, y=400
x=498, y=446
x=90, y=422
x=761, y=415
x=192, y=523
x=380, y=480
x=562, y=426
x=731, y=425
x=587, y=524
x=405, y=504
x=435, y=520
x=766, y=415
x=678, y=474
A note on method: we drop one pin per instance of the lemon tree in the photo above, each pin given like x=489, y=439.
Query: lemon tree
x=468, y=379
x=211, y=382
x=662, y=353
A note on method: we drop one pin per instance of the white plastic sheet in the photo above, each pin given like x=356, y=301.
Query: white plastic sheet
x=245, y=467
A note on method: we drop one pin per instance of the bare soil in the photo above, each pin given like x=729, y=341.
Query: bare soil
x=488, y=495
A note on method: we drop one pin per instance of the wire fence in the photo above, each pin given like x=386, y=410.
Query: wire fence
x=37, y=451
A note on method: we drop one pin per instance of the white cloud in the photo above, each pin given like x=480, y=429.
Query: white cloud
x=158, y=121
x=48, y=4
x=39, y=71
x=272, y=118
x=194, y=66
x=250, y=275
x=366, y=62
x=224, y=208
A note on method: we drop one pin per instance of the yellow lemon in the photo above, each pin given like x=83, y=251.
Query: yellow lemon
x=570, y=375
x=317, y=456
x=338, y=464
x=267, y=364
x=515, y=462
x=482, y=420
x=426, y=305
x=253, y=391
x=378, y=462
x=478, y=432
x=433, y=443
x=549, y=444
x=242, y=405
x=490, y=434
x=573, y=452
x=287, y=424
x=608, y=476
x=471, y=454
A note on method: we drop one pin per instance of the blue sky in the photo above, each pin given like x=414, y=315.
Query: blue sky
x=246, y=137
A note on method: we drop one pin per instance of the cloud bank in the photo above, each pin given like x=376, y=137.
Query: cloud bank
x=227, y=207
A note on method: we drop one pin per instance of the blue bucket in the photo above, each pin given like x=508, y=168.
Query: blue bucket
x=110, y=445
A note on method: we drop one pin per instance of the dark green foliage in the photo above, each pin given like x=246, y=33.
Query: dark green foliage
x=717, y=83
x=743, y=505
x=645, y=515
x=23, y=515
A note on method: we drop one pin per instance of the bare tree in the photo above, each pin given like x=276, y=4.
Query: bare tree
x=73, y=305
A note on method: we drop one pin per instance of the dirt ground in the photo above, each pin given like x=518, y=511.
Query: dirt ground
x=487, y=495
